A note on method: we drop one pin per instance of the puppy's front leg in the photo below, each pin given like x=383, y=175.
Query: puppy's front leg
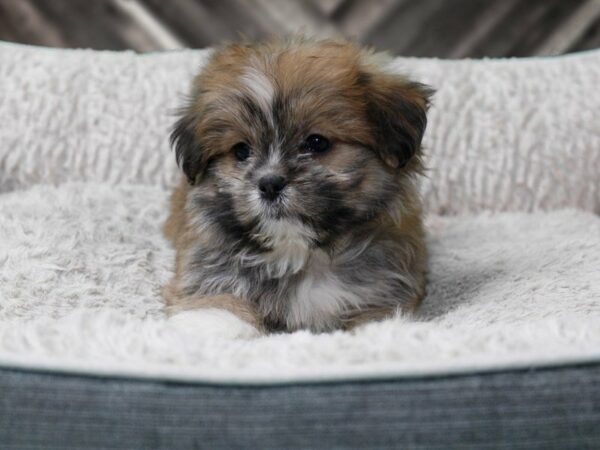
x=223, y=316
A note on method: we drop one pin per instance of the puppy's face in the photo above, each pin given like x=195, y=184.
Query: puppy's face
x=307, y=138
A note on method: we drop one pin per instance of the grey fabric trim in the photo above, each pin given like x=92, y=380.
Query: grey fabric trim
x=552, y=408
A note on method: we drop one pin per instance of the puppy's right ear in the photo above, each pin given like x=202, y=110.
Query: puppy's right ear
x=188, y=150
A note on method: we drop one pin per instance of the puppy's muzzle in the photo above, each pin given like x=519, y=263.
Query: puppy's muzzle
x=270, y=186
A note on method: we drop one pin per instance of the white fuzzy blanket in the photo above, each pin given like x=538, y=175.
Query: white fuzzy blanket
x=84, y=172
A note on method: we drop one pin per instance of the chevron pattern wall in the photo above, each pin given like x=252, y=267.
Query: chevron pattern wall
x=443, y=28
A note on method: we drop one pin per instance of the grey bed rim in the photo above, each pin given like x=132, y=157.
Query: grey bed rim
x=551, y=407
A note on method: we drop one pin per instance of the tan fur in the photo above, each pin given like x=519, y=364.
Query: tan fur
x=178, y=231
x=177, y=303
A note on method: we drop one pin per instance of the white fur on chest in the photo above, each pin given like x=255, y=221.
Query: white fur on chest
x=319, y=300
x=321, y=297
x=290, y=243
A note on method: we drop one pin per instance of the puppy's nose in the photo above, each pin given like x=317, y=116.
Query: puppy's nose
x=271, y=186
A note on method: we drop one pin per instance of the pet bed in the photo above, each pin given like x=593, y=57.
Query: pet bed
x=504, y=353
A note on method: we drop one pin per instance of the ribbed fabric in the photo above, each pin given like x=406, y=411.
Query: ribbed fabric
x=544, y=409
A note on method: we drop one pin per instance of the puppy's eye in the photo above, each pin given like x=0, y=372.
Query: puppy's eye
x=316, y=143
x=241, y=150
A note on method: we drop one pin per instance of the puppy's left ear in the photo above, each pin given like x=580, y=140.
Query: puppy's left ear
x=397, y=109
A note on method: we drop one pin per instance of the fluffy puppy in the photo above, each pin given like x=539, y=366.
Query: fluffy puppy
x=298, y=207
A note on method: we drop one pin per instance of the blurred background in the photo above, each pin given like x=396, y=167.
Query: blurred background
x=441, y=28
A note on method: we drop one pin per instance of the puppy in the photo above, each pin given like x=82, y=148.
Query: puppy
x=298, y=208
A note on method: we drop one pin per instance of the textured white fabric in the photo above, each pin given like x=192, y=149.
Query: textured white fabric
x=84, y=176
x=503, y=135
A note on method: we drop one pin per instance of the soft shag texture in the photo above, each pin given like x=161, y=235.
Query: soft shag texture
x=84, y=264
x=84, y=177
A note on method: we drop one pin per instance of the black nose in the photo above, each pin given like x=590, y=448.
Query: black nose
x=271, y=185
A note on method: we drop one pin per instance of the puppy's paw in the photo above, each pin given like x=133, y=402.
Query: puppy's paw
x=209, y=323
